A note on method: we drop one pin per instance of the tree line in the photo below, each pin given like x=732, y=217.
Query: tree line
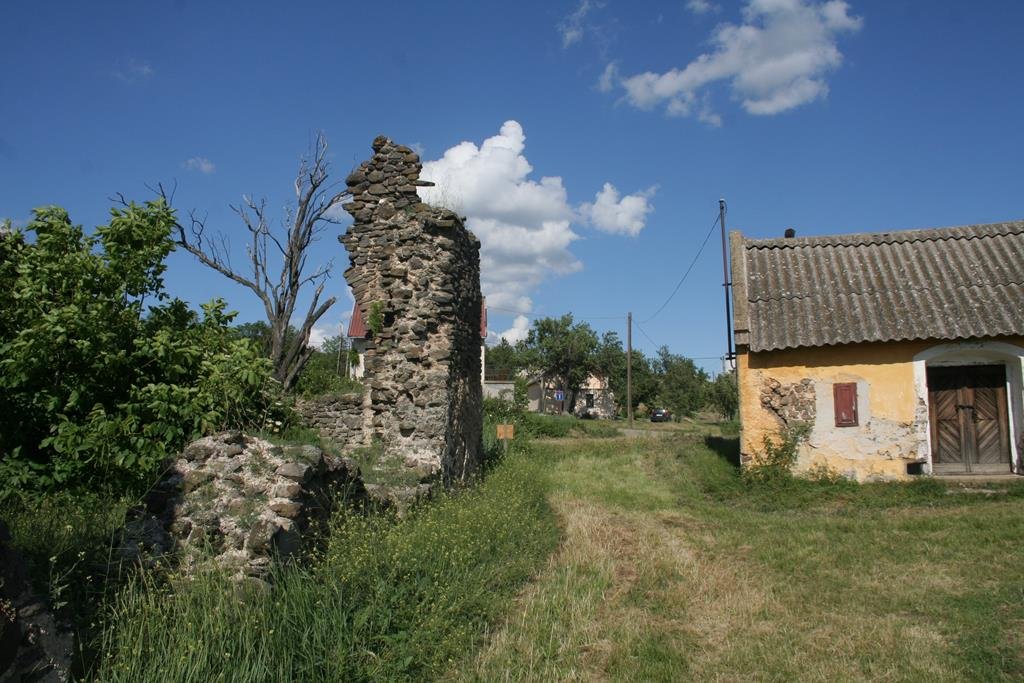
x=567, y=352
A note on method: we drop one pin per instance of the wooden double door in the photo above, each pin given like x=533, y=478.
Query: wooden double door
x=969, y=419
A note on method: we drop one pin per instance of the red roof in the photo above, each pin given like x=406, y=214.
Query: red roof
x=483, y=317
x=357, y=328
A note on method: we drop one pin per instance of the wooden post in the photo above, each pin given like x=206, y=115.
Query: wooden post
x=629, y=367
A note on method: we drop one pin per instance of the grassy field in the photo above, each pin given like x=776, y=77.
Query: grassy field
x=674, y=568
x=589, y=558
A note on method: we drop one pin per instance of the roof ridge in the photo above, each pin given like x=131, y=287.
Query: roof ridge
x=956, y=232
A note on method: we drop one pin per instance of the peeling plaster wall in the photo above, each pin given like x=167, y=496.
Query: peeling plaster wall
x=892, y=410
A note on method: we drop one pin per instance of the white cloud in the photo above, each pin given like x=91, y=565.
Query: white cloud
x=322, y=331
x=201, y=164
x=524, y=225
x=319, y=334
x=776, y=60
x=621, y=215
x=520, y=328
x=131, y=70
x=701, y=6
x=573, y=27
x=609, y=77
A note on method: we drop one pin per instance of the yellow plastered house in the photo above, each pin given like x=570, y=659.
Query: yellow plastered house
x=902, y=351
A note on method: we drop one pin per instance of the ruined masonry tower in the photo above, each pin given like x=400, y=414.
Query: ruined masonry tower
x=415, y=275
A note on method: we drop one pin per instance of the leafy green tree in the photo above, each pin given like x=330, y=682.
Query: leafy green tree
x=101, y=375
x=562, y=350
x=723, y=395
x=610, y=362
x=646, y=384
x=257, y=332
x=503, y=360
x=324, y=372
x=683, y=384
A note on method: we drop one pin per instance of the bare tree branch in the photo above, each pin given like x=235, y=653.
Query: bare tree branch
x=315, y=198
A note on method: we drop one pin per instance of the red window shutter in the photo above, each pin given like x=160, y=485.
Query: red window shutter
x=845, y=396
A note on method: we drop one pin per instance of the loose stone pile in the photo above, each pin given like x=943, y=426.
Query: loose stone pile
x=415, y=274
x=239, y=501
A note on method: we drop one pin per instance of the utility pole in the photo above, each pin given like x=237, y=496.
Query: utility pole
x=629, y=367
x=730, y=356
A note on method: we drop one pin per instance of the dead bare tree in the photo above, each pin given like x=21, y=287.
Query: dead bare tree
x=315, y=199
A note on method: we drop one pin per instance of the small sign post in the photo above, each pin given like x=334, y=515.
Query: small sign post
x=505, y=434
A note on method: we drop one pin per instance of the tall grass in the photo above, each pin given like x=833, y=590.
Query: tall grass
x=386, y=599
x=67, y=541
x=674, y=566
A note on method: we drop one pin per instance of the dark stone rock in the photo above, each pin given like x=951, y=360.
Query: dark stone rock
x=198, y=452
x=296, y=471
x=231, y=437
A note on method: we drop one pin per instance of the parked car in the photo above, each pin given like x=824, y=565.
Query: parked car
x=661, y=415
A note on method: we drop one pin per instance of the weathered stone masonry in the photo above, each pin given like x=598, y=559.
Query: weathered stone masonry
x=415, y=274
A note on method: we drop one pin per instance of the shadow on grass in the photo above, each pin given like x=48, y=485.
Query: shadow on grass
x=726, y=446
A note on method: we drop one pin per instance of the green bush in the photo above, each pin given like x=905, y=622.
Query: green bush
x=98, y=387
x=320, y=377
x=730, y=428
x=775, y=463
x=549, y=426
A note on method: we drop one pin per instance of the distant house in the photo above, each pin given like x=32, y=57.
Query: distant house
x=594, y=398
x=901, y=351
x=359, y=336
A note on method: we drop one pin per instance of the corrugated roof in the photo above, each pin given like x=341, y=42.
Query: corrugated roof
x=947, y=283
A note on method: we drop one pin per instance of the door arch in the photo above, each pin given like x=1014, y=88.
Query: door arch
x=959, y=407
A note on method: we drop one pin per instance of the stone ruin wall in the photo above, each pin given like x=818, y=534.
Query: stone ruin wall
x=415, y=274
x=338, y=418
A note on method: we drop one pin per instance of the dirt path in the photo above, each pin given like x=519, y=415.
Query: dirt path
x=617, y=601
x=656, y=580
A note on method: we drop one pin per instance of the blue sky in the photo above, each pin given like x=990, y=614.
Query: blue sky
x=824, y=116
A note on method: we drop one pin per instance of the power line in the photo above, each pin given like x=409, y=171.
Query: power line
x=692, y=264
x=646, y=335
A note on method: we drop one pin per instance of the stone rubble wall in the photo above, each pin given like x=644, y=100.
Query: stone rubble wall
x=415, y=274
x=338, y=418
x=791, y=403
x=239, y=501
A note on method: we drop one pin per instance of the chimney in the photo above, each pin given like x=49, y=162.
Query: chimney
x=789, y=234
